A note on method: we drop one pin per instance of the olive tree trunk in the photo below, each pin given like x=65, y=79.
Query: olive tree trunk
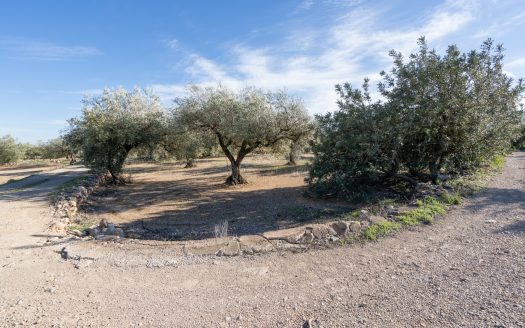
x=236, y=177
x=190, y=162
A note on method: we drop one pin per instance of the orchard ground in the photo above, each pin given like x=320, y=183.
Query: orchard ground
x=166, y=201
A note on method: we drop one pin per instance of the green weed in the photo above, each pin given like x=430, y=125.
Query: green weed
x=425, y=212
x=451, y=198
x=381, y=229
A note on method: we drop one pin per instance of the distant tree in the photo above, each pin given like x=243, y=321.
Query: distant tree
x=186, y=144
x=113, y=124
x=33, y=151
x=242, y=122
x=54, y=148
x=11, y=151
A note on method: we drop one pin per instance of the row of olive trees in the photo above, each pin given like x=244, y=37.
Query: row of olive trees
x=438, y=113
x=12, y=151
x=118, y=122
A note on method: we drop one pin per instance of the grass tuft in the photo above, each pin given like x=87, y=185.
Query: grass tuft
x=381, y=229
x=425, y=212
x=451, y=198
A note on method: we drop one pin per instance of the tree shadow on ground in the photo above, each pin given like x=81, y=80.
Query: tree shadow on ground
x=36, y=188
x=498, y=200
x=246, y=212
x=18, y=173
x=517, y=227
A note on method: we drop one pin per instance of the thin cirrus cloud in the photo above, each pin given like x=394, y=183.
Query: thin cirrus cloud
x=354, y=46
x=44, y=51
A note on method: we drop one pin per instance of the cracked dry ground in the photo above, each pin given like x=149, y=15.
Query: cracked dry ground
x=468, y=270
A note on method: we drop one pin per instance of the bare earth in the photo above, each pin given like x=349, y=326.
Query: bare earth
x=468, y=270
x=167, y=202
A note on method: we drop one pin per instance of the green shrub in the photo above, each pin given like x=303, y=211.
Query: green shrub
x=381, y=229
x=420, y=126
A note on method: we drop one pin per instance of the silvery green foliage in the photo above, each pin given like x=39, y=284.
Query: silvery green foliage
x=185, y=143
x=113, y=124
x=242, y=121
x=450, y=112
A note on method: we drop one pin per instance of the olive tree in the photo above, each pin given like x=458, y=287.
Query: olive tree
x=243, y=121
x=114, y=123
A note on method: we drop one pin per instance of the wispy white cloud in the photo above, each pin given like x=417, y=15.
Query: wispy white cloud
x=172, y=44
x=321, y=58
x=33, y=50
x=504, y=24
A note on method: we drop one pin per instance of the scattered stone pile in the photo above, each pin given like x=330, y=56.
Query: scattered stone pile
x=98, y=231
x=322, y=234
x=66, y=202
x=293, y=238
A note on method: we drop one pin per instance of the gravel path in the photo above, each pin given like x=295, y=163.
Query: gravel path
x=468, y=270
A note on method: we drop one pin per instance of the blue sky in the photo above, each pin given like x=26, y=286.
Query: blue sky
x=54, y=52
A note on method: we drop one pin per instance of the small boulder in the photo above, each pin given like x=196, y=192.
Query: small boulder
x=340, y=227
x=375, y=219
x=354, y=226
x=308, y=237
x=321, y=231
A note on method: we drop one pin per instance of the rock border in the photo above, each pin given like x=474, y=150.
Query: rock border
x=319, y=235
x=66, y=203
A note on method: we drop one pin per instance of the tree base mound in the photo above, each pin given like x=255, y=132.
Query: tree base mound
x=233, y=181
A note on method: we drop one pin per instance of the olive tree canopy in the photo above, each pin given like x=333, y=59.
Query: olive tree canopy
x=243, y=121
x=114, y=123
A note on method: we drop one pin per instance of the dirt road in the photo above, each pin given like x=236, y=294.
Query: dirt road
x=468, y=270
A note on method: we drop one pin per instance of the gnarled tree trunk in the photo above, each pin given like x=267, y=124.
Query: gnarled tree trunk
x=292, y=158
x=236, y=177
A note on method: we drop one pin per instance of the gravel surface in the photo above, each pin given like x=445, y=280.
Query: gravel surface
x=467, y=270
